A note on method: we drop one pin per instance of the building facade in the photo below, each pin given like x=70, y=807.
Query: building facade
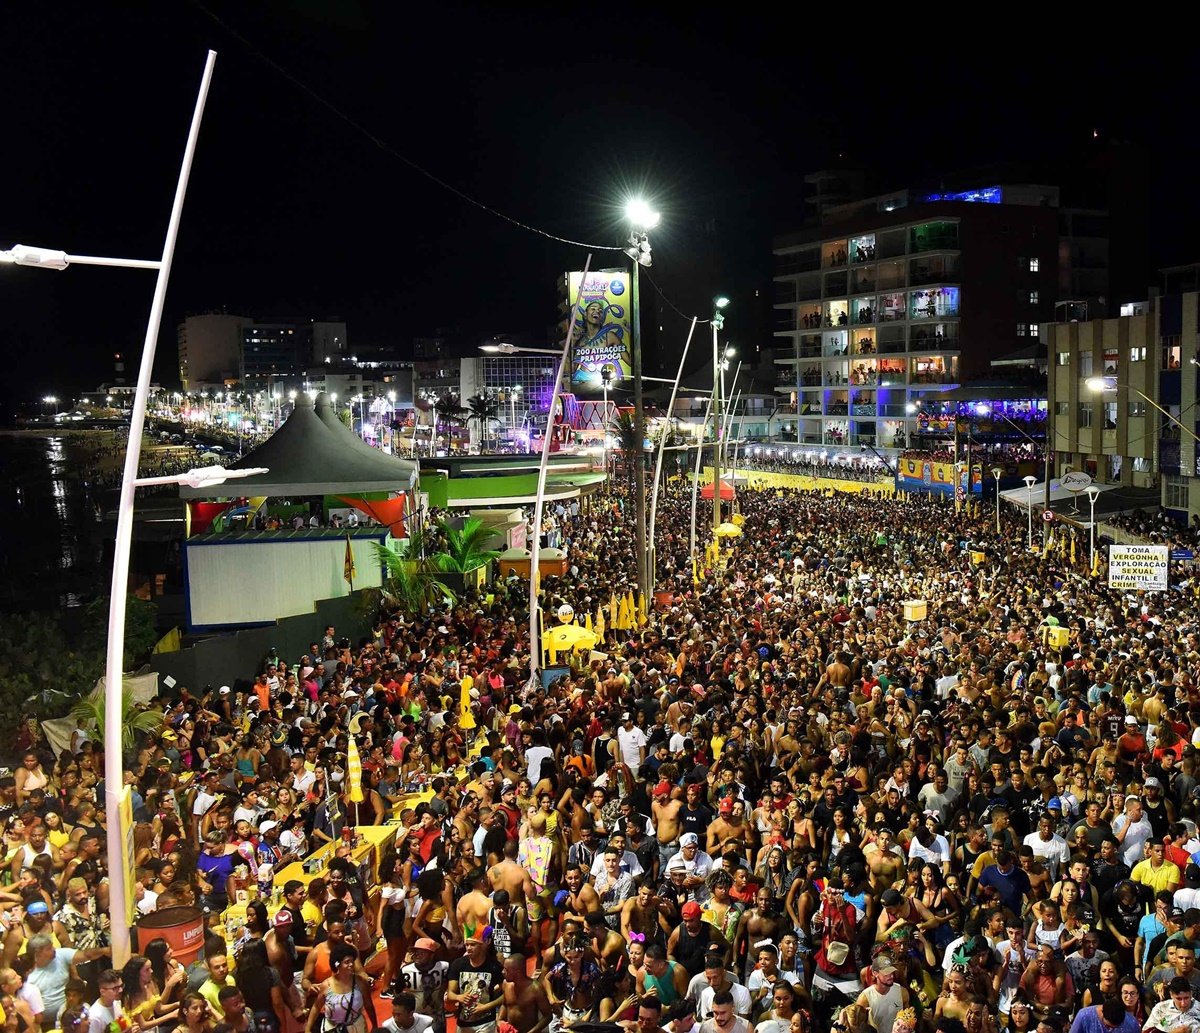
x=1106, y=377
x=897, y=298
x=209, y=348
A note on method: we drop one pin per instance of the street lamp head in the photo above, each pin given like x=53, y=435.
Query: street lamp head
x=1029, y=480
x=730, y=351
x=333, y=396
x=997, y=472
x=638, y=212
x=910, y=407
x=49, y=399
x=391, y=396
x=1099, y=384
x=1093, y=493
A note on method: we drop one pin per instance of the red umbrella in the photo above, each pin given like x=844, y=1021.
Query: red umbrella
x=706, y=491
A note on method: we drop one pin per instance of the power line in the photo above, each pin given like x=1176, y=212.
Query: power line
x=387, y=148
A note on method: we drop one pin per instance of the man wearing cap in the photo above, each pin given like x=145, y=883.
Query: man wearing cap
x=884, y=998
x=1159, y=809
x=426, y=978
x=474, y=986
x=692, y=938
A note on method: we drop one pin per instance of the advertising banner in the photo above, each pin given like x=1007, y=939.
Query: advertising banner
x=1133, y=568
x=916, y=474
x=603, y=334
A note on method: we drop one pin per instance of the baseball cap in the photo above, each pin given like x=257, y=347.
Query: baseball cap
x=224, y=690
x=690, y=910
x=689, y=839
x=514, y=709
x=282, y=917
x=882, y=965
x=1130, y=719
x=426, y=944
x=1152, y=783
x=662, y=789
x=266, y=826
x=890, y=897
x=726, y=805
x=37, y=907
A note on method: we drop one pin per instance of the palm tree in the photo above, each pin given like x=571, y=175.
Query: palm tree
x=89, y=711
x=464, y=550
x=484, y=410
x=410, y=584
x=623, y=428
x=449, y=410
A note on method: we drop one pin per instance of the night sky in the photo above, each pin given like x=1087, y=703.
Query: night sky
x=552, y=114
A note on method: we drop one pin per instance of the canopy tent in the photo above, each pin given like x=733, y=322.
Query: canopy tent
x=706, y=492
x=1021, y=496
x=305, y=457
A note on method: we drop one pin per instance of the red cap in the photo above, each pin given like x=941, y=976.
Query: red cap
x=690, y=910
x=726, y=805
x=662, y=789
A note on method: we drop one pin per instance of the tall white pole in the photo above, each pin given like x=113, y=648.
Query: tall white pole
x=604, y=432
x=658, y=461
x=114, y=770
x=535, y=546
x=1092, y=496
x=696, y=475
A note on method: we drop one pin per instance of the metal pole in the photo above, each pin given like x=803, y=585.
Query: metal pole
x=604, y=431
x=535, y=546
x=1029, y=511
x=658, y=461
x=114, y=771
x=639, y=435
x=718, y=387
x=997, y=476
x=696, y=474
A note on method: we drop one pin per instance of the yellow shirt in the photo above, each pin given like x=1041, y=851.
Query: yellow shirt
x=312, y=918
x=209, y=991
x=718, y=744
x=1158, y=879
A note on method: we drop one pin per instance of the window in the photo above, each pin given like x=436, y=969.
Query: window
x=1021, y=329
x=1141, y=464
x=1085, y=364
x=1171, y=352
x=1033, y=297
x=1136, y=409
x=1137, y=354
x=1177, y=493
x=1062, y=408
x=1033, y=329
x=1035, y=265
x=1110, y=415
x=1062, y=359
x=1085, y=415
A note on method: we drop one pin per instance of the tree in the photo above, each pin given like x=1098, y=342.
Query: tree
x=449, y=410
x=464, y=550
x=347, y=417
x=622, y=427
x=411, y=586
x=484, y=410
x=90, y=712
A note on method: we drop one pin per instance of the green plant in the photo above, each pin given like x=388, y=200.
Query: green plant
x=464, y=549
x=410, y=585
x=89, y=711
x=623, y=429
x=449, y=409
x=483, y=409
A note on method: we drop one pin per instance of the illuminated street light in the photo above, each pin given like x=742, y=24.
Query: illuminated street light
x=641, y=215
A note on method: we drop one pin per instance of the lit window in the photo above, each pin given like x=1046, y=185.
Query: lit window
x=1137, y=354
x=1062, y=408
x=1085, y=415
x=1034, y=265
x=1062, y=358
x=1137, y=408
x=1177, y=493
x=1033, y=297
x=1021, y=329
x=1033, y=329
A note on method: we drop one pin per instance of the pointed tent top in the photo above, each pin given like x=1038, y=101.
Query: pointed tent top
x=303, y=457
x=392, y=465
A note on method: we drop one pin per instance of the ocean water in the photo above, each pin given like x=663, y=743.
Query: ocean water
x=51, y=544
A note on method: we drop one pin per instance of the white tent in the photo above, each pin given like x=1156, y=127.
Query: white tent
x=1021, y=496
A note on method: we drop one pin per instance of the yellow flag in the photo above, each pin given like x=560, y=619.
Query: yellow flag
x=614, y=613
x=354, y=771
x=1096, y=563
x=601, y=627
x=587, y=621
x=1072, y=550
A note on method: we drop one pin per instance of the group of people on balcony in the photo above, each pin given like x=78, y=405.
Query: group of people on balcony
x=923, y=335
x=866, y=314
x=864, y=253
x=837, y=257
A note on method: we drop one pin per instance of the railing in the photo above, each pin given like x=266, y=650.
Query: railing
x=864, y=410
x=933, y=343
x=933, y=378
x=837, y=409
x=891, y=348
x=929, y=274
x=935, y=242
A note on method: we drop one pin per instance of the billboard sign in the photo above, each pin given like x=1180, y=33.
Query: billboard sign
x=1133, y=568
x=603, y=336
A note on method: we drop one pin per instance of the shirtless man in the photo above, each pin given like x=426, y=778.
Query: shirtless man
x=643, y=914
x=730, y=824
x=607, y=945
x=525, y=1003
x=665, y=810
x=837, y=674
x=467, y=820
x=510, y=876
x=472, y=910
x=885, y=861
x=582, y=899
x=538, y=860
x=756, y=924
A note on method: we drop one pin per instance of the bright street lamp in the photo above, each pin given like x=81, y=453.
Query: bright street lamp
x=114, y=776
x=639, y=214
x=508, y=349
x=203, y=476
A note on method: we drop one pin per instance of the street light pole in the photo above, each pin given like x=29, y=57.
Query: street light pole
x=718, y=323
x=997, y=472
x=1030, y=481
x=114, y=777
x=605, y=377
x=1093, y=493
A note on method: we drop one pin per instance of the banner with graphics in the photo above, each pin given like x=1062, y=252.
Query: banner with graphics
x=926, y=475
x=1133, y=568
x=603, y=334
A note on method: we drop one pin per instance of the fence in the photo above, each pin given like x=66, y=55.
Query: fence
x=223, y=659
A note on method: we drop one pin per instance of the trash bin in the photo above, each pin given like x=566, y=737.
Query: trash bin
x=182, y=927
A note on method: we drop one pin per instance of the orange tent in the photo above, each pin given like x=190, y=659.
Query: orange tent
x=706, y=491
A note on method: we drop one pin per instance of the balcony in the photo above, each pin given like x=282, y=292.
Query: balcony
x=923, y=341
x=864, y=409
x=933, y=377
x=837, y=409
x=785, y=320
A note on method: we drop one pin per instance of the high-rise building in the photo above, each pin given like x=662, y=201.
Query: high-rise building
x=902, y=296
x=209, y=348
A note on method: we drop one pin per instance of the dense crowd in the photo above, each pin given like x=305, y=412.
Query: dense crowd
x=780, y=805
x=1158, y=527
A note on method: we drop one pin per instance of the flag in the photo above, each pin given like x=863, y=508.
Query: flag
x=601, y=627
x=348, y=564
x=1095, y=563
x=695, y=571
x=643, y=616
x=353, y=771
x=587, y=621
x=1072, y=550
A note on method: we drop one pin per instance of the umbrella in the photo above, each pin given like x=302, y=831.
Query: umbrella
x=354, y=771
x=728, y=530
x=465, y=718
x=569, y=636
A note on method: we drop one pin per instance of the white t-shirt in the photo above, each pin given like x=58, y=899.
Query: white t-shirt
x=938, y=852
x=202, y=803
x=533, y=762
x=702, y=993
x=1054, y=851
x=631, y=743
x=421, y=1024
